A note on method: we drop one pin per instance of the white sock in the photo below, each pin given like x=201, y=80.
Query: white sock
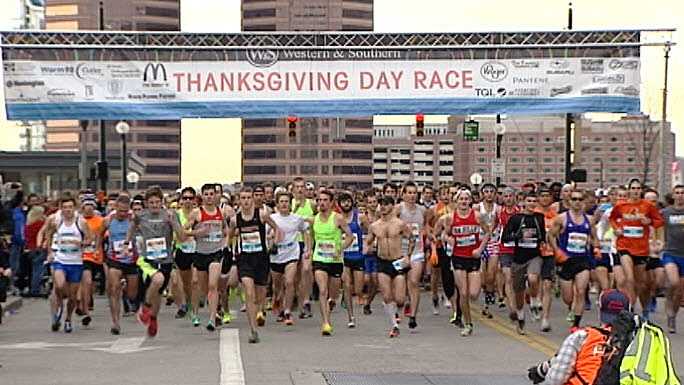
x=521, y=314
x=391, y=310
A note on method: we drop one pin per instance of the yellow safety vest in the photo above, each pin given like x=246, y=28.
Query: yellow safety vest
x=647, y=360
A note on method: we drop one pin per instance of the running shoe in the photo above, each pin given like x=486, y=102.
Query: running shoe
x=281, y=316
x=227, y=318
x=210, y=326
x=326, y=329
x=306, y=311
x=86, y=320
x=545, y=325
x=447, y=303
x=435, y=305
x=243, y=308
x=182, y=312
x=486, y=312
x=502, y=303
x=520, y=328
x=260, y=319
x=412, y=324
x=351, y=324
x=195, y=321
x=467, y=330
x=573, y=329
x=153, y=327
x=407, y=309
x=288, y=320
x=367, y=309
x=144, y=315
x=536, y=313
x=67, y=326
x=56, y=319
x=394, y=332
x=672, y=324
x=253, y=338
x=571, y=317
x=397, y=319
x=115, y=330
x=331, y=304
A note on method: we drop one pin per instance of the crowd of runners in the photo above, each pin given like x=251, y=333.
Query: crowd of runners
x=278, y=250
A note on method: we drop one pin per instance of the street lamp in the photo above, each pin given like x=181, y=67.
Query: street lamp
x=499, y=130
x=123, y=128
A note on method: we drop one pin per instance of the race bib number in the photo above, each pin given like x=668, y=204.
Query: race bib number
x=449, y=248
x=606, y=246
x=415, y=230
x=354, y=247
x=465, y=241
x=155, y=249
x=529, y=239
x=215, y=236
x=90, y=248
x=118, y=246
x=676, y=219
x=251, y=242
x=577, y=242
x=633, y=231
x=327, y=250
x=188, y=247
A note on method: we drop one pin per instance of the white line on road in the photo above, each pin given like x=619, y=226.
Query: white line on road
x=232, y=372
x=127, y=345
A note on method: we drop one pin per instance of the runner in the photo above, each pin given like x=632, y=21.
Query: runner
x=120, y=265
x=506, y=249
x=574, y=239
x=632, y=221
x=156, y=227
x=527, y=230
x=602, y=264
x=285, y=256
x=328, y=228
x=392, y=267
x=468, y=233
x=303, y=206
x=352, y=275
x=92, y=257
x=209, y=231
x=414, y=216
x=249, y=227
x=185, y=253
x=229, y=280
x=66, y=232
x=673, y=255
x=370, y=263
x=443, y=270
x=564, y=203
x=542, y=309
x=489, y=212
x=655, y=271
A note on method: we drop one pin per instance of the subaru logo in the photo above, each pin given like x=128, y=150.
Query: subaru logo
x=156, y=70
x=494, y=71
x=262, y=58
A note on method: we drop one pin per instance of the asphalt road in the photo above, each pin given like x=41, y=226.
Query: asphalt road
x=181, y=354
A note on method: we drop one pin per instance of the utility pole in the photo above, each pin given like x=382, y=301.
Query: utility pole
x=568, y=122
x=664, y=132
x=499, y=138
x=84, y=154
x=102, y=167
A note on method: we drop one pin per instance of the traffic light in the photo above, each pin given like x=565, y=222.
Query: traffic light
x=420, y=124
x=292, y=124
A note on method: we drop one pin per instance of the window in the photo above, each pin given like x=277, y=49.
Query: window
x=359, y=1
x=630, y=160
x=162, y=170
x=308, y=169
x=514, y=160
x=598, y=160
x=325, y=169
x=325, y=154
x=613, y=139
x=160, y=154
x=162, y=12
x=353, y=154
x=614, y=159
x=614, y=149
x=158, y=138
x=293, y=154
x=264, y=170
x=531, y=139
x=514, y=149
x=347, y=27
x=513, y=139
x=446, y=173
x=358, y=123
x=547, y=160
x=548, y=149
x=531, y=160
x=254, y=13
x=309, y=154
x=263, y=138
x=253, y=123
x=481, y=160
x=293, y=169
x=515, y=180
x=481, y=149
x=531, y=149
x=598, y=139
x=548, y=171
x=357, y=14
x=359, y=139
x=264, y=154
x=531, y=170
x=352, y=170
x=157, y=27
x=515, y=170
x=260, y=27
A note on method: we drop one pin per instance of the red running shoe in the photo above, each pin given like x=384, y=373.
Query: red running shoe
x=153, y=327
x=144, y=315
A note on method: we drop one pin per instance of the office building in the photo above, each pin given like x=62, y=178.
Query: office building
x=157, y=143
x=325, y=150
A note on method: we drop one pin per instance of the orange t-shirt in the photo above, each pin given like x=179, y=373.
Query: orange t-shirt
x=635, y=235
x=89, y=254
x=549, y=214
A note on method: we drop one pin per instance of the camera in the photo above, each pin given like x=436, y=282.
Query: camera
x=537, y=373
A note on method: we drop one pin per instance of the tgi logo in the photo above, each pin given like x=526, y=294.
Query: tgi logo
x=262, y=58
x=154, y=75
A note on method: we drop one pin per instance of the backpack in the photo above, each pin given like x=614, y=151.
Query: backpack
x=621, y=336
x=647, y=360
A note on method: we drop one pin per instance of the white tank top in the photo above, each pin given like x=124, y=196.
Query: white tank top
x=67, y=244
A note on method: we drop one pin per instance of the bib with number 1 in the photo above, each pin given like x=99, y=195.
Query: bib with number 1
x=155, y=249
x=633, y=231
x=577, y=242
x=251, y=242
x=327, y=250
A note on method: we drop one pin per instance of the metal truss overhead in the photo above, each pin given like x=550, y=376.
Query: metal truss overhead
x=326, y=40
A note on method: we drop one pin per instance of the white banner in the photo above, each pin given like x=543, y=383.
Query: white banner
x=263, y=86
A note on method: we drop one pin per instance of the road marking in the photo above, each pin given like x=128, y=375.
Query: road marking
x=48, y=345
x=127, y=345
x=533, y=340
x=119, y=346
x=232, y=372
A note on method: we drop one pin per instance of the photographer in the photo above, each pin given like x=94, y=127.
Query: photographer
x=580, y=356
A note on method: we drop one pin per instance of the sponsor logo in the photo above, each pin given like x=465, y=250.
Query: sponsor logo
x=262, y=58
x=595, y=91
x=19, y=68
x=115, y=87
x=9, y=67
x=561, y=91
x=530, y=80
x=57, y=69
x=484, y=92
x=592, y=66
x=623, y=64
x=88, y=91
x=155, y=75
x=24, y=83
x=609, y=79
x=60, y=93
x=559, y=64
x=503, y=92
x=85, y=71
x=494, y=71
x=523, y=92
x=525, y=64
x=152, y=96
x=627, y=91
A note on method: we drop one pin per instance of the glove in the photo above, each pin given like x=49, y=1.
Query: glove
x=561, y=257
x=534, y=375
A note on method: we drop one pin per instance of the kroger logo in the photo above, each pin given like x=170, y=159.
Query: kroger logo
x=494, y=71
x=262, y=58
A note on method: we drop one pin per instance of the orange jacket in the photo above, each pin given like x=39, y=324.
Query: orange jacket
x=635, y=237
x=590, y=357
x=95, y=224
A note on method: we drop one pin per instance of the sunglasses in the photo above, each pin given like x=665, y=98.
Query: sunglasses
x=187, y=198
x=576, y=199
x=635, y=188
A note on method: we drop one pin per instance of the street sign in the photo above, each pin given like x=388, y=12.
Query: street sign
x=471, y=130
x=476, y=179
x=498, y=167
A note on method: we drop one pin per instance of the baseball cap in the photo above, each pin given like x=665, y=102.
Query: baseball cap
x=89, y=199
x=612, y=302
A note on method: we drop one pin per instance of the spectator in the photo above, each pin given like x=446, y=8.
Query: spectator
x=34, y=222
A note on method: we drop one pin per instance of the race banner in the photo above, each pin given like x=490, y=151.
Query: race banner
x=271, y=83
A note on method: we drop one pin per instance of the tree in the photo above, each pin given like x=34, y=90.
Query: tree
x=643, y=133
